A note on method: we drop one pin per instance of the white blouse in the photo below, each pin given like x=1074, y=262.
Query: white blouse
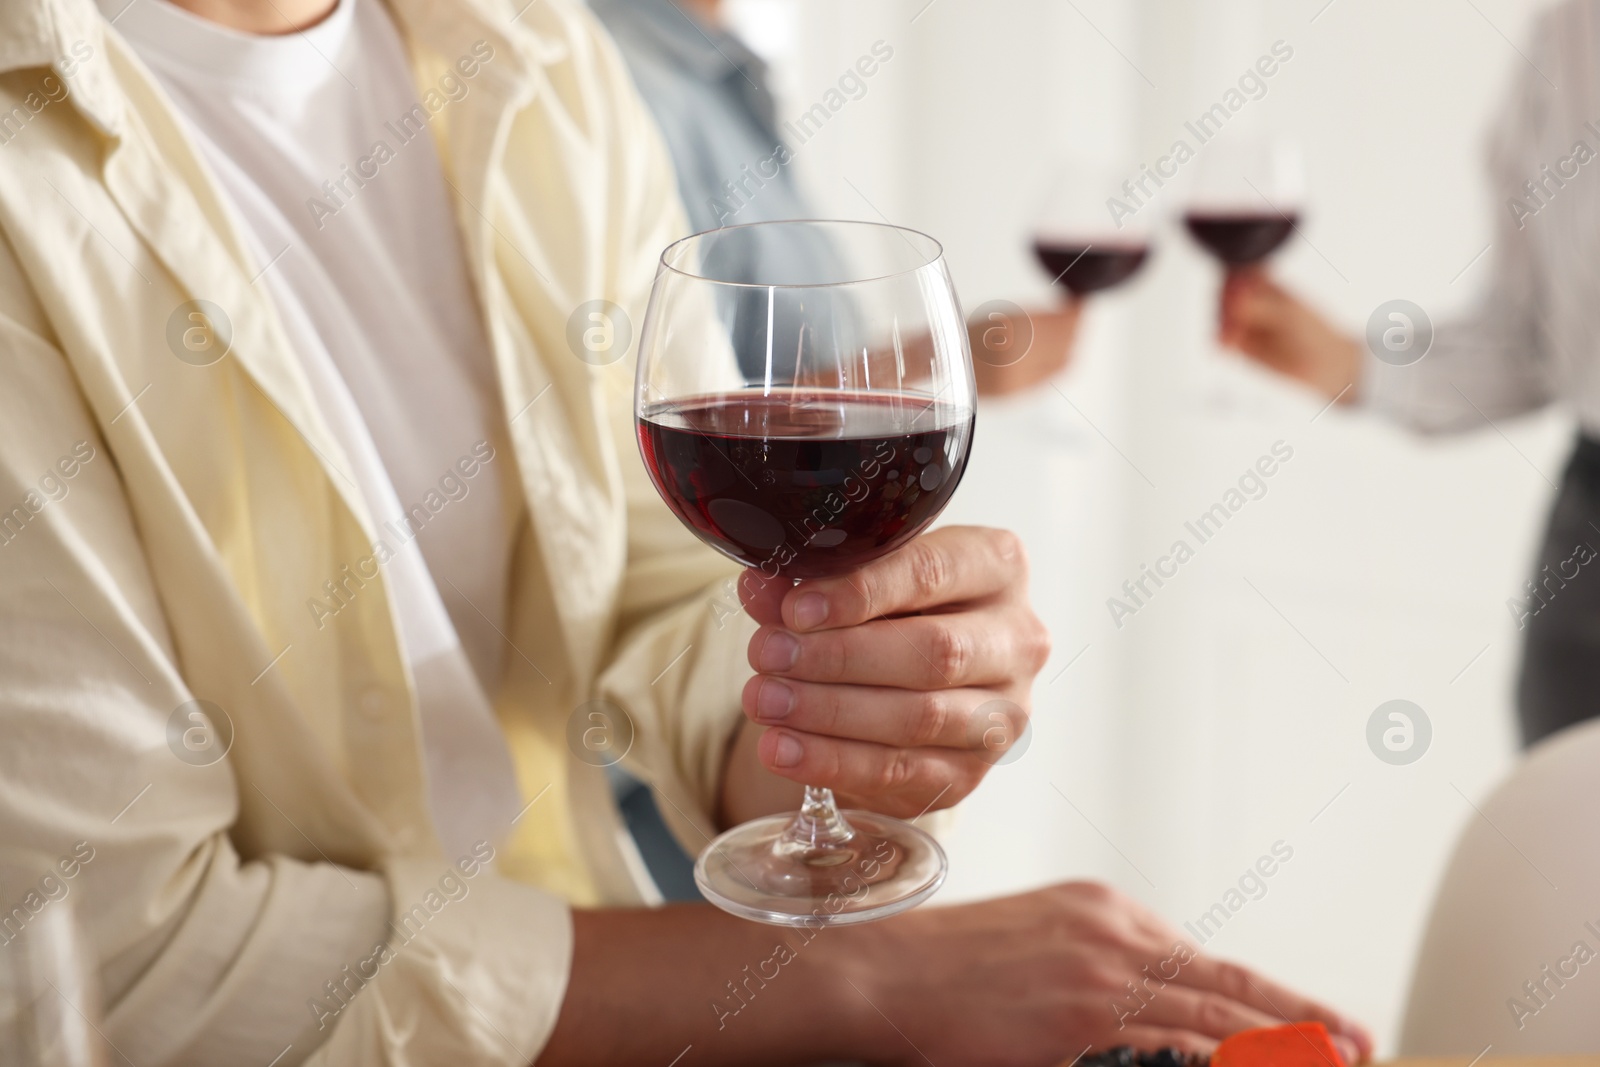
x=1534, y=335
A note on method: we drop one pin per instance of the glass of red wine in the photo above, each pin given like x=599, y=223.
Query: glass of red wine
x=1247, y=198
x=805, y=405
x=1080, y=244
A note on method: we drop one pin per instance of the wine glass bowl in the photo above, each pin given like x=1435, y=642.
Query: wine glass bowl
x=804, y=482
x=1247, y=199
x=1086, y=266
x=1079, y=243
x=804, y=405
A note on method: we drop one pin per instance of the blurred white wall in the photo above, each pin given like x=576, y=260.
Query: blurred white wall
x=1229, y=714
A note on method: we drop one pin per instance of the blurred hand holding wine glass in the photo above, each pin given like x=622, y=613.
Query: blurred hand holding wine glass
x=1278, y=330
x=1014, y=350
x=1247, y=201
x=1083, y=252
x=809, y=417
x=1247, y=197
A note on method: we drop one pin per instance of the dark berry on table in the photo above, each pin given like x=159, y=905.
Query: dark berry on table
x=1165, y=1057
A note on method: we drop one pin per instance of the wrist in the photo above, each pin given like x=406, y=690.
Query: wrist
x=855, y=975
x=646, y=982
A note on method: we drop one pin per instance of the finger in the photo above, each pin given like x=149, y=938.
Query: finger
x=1234, y=284
x=951, y=565
x=1055, y=318
x=971, y=719
x=762, y=596
x=1268, y=305
x=1249, y=302
x=1233, y=307
x=1349, y=1051
x=921, y=652
x=902, y=782
x=1201, y=1011
x=1281, y=1003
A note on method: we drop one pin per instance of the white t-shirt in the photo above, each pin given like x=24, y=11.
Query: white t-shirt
x=370, y=279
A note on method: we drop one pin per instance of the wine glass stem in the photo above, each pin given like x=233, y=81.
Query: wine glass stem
x=818, y=826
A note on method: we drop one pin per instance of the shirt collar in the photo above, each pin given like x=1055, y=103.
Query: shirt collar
x=68, y=37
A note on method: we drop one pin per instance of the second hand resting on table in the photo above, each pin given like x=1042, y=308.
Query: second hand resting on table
x=867, y=684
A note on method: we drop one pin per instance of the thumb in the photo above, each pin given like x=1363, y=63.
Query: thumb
x=1235, y=304
x=1256, y=307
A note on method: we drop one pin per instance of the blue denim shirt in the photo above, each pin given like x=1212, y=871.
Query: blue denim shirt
x=710, y=95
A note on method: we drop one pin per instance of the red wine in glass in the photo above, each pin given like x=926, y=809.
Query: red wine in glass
x=1241, y=238
x=805, y=483
x=1085, y=267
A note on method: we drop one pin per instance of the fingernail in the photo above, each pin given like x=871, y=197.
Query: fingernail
x=774, y=700
x=810, y=611
x=786, y=752
x=1347, y=1050
x=779, y=651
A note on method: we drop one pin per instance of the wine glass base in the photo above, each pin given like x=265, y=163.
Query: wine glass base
x=757, y=872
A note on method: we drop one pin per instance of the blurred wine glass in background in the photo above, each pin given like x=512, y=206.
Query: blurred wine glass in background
x=1247, y=198
x=1076, y=241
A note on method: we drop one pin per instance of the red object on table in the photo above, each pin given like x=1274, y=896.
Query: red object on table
x=1295, y=1045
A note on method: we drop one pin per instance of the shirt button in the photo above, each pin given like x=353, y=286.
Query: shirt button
x=373, y=703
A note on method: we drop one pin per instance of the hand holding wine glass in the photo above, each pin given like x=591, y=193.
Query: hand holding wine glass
x=809, y=416
x=870, y=681
x=1247, y=201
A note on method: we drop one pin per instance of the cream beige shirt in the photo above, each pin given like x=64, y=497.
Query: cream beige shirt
x=169, y=504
